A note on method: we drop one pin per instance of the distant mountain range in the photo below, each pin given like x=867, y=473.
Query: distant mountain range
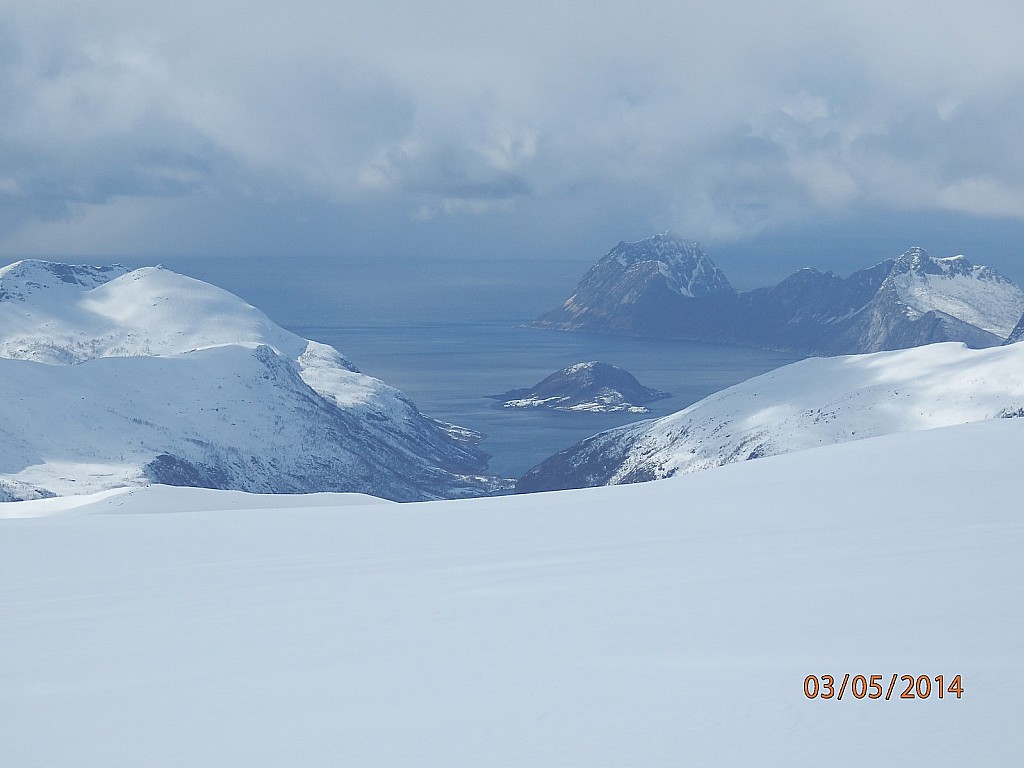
x=815, y=402
x=111, y=377
x=667, y=287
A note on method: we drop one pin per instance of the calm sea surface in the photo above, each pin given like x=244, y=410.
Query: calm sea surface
x=446, y=332
x=448, y=369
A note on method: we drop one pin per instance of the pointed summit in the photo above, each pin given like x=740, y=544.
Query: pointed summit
x=914, y=259
x=632, y=285
x=686, y=269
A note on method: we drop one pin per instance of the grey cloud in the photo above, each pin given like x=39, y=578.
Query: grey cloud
x=724, y=121
x=113, y=118
x=450, y=170
x=929, y=152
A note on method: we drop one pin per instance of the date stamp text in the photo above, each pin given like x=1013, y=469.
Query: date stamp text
x=881, y=687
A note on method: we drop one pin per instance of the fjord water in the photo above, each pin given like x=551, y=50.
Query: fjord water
x=448, y=332
x=448, y=369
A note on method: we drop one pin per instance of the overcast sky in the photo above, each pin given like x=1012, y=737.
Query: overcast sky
x=777, y=134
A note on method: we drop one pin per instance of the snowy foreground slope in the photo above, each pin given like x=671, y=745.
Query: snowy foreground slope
x=111, y=378
x=665, y=624
x=803, y=405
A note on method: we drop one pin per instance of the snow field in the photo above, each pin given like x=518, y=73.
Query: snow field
x=662, y=624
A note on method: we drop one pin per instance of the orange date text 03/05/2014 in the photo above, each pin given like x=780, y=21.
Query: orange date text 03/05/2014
x=882, y=687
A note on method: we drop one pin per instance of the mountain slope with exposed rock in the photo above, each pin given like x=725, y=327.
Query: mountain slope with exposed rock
x=111, y=377
x=819, y=401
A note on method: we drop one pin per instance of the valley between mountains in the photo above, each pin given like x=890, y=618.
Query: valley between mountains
x=118, y=378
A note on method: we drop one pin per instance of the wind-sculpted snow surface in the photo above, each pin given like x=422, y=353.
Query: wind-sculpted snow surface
x=110, y=377
x=804, y=405
x=657, y=625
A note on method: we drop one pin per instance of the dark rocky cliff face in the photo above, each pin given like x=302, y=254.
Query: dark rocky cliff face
x=587, y=464
x=1017, y=334
x=665, y=287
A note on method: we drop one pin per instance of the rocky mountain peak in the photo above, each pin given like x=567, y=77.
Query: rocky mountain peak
x=956, y=289
x=687, y=270
x=914, y=253
x=917, y=261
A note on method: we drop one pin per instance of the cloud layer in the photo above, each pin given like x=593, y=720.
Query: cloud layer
x=121, y=118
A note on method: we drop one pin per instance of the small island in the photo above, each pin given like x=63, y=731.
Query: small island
x=593, y=387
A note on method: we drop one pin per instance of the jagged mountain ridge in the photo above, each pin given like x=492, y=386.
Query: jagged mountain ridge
x=107, y=376
x=591, y=386
x=814, y=402
x=898, y=303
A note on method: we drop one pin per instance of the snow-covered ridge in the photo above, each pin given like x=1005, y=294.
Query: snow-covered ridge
x=974, y=294
x=819, y=401
x=21, y=279
x=81, y=313
x=106, y=371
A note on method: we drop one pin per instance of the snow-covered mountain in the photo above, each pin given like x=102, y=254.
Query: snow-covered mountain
x=663, y=624
x=593, y=387
x=814, y=402
x=669, y=288
x=634, y=281
x=680, y=265
x=112, y=377
x=976, y=295
x=924, y=299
